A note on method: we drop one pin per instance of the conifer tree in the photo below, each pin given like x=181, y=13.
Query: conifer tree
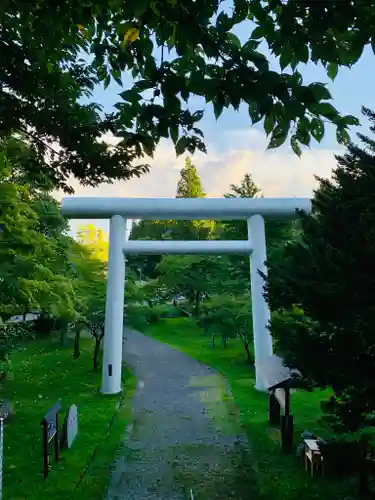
x=329, y=274
x=190, y=184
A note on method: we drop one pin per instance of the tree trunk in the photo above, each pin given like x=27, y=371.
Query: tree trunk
x=197, y=300
x=77, y=352
x=96, y=354
x=245, y=343
x=213, y=341
x=63, y=334
x=246, y=346
x=224, y=339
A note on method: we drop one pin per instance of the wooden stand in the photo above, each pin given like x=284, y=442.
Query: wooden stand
x=50, y=424
x=278, y=380
x=313, y=456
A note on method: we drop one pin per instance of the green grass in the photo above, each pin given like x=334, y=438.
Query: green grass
x=280, y=476
x=42, y=373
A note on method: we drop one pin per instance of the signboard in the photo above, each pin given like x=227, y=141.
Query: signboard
x=71, y=425
x=274, y=373
x=31, y=316
x=50, y=424
x=16, y=319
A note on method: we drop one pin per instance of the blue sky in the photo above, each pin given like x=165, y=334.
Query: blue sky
x=235, y=148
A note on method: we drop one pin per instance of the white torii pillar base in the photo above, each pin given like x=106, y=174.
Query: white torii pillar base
x=114, y=312
x=260, y=310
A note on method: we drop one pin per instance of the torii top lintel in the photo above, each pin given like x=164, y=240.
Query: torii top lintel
x=183, y=208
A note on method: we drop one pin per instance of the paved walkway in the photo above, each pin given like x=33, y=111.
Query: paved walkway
x=186, y=433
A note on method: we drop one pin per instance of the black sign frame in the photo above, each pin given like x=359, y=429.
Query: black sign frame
x=50, y=425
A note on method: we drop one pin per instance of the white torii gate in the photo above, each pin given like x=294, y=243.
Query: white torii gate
x=119, y=209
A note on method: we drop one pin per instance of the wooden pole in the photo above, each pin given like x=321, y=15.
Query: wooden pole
x=57, y=438
x=45, y=448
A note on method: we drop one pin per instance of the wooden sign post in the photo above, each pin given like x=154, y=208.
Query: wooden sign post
x=279, y=380
x=50, y=424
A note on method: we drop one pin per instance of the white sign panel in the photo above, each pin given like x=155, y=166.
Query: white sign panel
x=71, y=425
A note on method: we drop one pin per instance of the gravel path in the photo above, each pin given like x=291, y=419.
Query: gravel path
x=186, y=433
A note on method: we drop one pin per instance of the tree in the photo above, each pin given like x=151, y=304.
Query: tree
x=95, y=239
x=229, y=317
x=277, y=232
x=30, y=276
x=327, y=273
x=90, y=285
x=246, y=189
x=145, y=266
x=46, y=73
x=190, y=185
x=192, y=276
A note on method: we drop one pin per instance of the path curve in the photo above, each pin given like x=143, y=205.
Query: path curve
x=186, y=432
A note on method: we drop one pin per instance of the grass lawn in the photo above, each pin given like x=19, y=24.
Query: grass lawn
x=42, y=373
x=280, y=476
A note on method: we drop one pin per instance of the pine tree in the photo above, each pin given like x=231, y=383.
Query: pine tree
x=329, y=273
x=246, y=189
x=190, y=185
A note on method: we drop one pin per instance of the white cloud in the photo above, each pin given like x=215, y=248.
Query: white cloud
x=278, y=172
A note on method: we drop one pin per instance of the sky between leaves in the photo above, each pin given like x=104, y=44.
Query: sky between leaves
x=235, y=148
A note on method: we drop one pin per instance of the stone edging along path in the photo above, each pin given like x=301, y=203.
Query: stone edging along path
x=186, y=437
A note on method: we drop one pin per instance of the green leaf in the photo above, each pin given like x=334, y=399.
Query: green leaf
x=320, y=91
x=285, y=58
x=326, y=109
x=130, y=95
x=148, y=144
x=302, y=133
x=142, y=85
x=304, y=124
x=173, y=130
x=172, y=103
x=140, y=7
x=181, y=145
x=223, y=22
x=257, y=33
x=269, y=123
x=218, y=105
x=260, y=61
x=278, y=137
x=303, y=136
x=117, y=79
x=295, y=146
x=107, y=81
x=197, y=115
x=332, y=70
x=250, y=46
x=342, y=136
x=303, y=53
x=317, y=129
x=350, y=120
x=241, y=10
x=254, y=113
x=373, y=44
x=233, y=39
